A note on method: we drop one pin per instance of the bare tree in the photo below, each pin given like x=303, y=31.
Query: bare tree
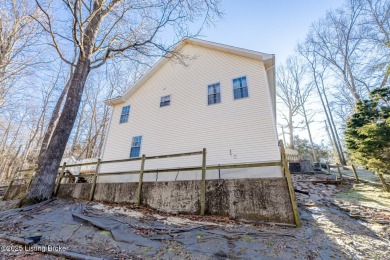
x=88, y=136
x=286, y=91
x=295, y=93
x=10, y=143
x=317, y=69
x=337, y=39
x=18, y=33
x=102, y=30
x=376, y=30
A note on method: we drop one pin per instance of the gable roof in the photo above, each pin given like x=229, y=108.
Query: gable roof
x=268, y=59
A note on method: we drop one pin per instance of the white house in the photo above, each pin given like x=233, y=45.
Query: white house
x=222, y=100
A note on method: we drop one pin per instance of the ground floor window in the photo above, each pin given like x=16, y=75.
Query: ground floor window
x=135, y=146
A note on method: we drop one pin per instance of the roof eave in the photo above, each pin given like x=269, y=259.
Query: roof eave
x=114, y=101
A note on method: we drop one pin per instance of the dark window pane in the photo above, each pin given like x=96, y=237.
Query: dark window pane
x=165, y=101
x=124, y=118
x=244, y=92
x=243, y=82
x=237, y=94
x=240, y=88
x=210, y=89
x=135, y=146
x=125, y=114
x=216, y=88
x=214, y=98
x=214, y=94
x=236, y=83
x=134, y=152
x=210, y=99
x=218, y=98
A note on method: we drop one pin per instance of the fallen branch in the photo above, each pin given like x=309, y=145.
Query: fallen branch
x=268, y=223
x=301, y=191
x=323, y=181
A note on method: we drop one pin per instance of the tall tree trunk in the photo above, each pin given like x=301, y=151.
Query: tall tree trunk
x=104, y=132
x=53, y=119
x=5, y=137
x=330, y=138
x=76, y=135
x=313, y=151
x=7, y=171
x=284, y=137
x=333, y=127
x=327, y=115
x=291, y=129
x=90, y=139
x=49, y=161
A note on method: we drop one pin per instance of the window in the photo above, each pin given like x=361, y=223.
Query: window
x=240, y=88
x=125, y=114
x=135, y=146
x=214, y=94
x=165, y=101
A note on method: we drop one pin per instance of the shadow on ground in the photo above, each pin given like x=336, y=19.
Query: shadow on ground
x=111, y=231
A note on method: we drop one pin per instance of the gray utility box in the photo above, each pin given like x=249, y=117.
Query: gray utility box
x=300, y=167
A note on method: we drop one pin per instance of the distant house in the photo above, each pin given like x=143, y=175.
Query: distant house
x=222, y=100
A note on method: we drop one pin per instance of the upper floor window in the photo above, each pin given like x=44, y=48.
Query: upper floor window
x=125, y=114
x=135, y=146
x=214, y=94
x=165, y=101
x=240, y=88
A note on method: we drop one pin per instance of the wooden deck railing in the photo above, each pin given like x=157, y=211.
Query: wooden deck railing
x=203, y=167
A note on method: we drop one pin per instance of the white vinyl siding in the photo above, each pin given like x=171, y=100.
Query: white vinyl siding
x=234, y=131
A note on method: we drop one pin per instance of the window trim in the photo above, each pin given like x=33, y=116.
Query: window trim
x=128, y=115
x=131, y=146
x=220, y=93
x=165, y=101
x=247, y=86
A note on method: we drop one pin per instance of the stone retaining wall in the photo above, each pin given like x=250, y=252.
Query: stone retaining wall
x=265, y=199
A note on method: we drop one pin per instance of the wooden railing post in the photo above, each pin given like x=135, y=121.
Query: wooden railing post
x=338, y=168
x=29, y=183
x=328, y=167
x=355, y=173
x=287, y=174
x=57, y=187
x=92, y=192
x=10, y=184
x=141, y=178
x=384, y=184
x=203, y=185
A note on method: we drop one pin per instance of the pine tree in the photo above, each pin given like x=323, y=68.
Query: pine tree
x=368, y=132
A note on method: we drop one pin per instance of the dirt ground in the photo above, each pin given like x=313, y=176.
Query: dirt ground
x=347, y=221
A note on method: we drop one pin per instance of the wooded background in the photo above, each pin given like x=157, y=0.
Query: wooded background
x=345, y=55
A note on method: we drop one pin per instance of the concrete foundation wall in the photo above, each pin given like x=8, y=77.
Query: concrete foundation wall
x=75, y=190
x=265, y=199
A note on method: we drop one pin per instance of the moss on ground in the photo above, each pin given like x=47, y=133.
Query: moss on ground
x=367, y=195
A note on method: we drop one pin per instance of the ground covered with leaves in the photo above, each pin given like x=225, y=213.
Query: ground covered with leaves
x=331, y=230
